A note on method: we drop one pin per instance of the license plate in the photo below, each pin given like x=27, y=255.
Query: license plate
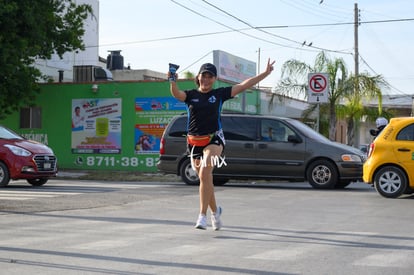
x=47, y=165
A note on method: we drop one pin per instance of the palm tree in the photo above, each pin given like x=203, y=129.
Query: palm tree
x=295, y=77
x=357, y=88
x=351, y=88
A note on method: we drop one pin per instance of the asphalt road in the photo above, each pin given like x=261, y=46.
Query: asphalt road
x=91, y=227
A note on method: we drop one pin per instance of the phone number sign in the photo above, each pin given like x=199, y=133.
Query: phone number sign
x=318, y=90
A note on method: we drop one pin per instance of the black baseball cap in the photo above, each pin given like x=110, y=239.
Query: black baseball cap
x=208, y=68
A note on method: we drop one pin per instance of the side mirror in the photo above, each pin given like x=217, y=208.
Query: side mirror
x=373, y=132
x=294, y=139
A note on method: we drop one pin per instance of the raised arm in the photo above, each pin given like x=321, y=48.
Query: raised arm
x=250, y=82
x=176, y=92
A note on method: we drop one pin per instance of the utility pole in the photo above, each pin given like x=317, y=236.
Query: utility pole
x=258, y=66
x=356, y=58
x=356, y=24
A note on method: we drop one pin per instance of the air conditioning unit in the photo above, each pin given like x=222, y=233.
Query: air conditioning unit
x=90, y=73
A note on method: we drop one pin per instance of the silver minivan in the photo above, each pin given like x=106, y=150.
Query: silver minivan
x=266, y=148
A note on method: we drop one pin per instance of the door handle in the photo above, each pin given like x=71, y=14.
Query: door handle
x=403, y=150
x=248, y=145
x=262, y=146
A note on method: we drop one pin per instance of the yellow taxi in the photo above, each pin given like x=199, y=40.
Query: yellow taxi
x=390, y=163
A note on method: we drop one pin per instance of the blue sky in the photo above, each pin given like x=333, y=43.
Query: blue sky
x=152, y=34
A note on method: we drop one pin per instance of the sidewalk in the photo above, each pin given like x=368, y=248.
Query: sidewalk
x=71, y=174
x=116, y=175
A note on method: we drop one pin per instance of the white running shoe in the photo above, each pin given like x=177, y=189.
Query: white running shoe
x=215, y=219
x=201, y=222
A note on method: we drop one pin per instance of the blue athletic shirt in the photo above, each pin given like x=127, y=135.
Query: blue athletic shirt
x=204, y=110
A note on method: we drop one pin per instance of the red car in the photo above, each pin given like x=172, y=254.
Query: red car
x=25, y=159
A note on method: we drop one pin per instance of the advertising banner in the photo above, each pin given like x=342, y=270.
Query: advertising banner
x=96, y=126
x=233, y=68
x=152, y=116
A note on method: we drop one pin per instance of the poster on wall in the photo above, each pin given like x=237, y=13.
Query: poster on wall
x=96, y=126
x=152, y=116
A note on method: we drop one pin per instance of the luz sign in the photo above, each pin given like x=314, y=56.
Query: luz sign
x=318, y=90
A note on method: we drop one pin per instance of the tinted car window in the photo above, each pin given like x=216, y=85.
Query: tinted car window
x=232, y=128
x=406, y=133
x=273, y=130
x=179, y=128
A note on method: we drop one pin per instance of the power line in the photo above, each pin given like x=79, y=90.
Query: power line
x=336, y=24
x=221, y=24
x=161, y=39
x=391, y=86
x=366, y=63
x=318, y=10
x=300, y=43
x=182, y=70
x=253, y=27
x=248, y=24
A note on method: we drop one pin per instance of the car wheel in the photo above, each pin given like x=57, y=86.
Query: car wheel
x=322, y=174
x=188, y=175
x=37, y=182
x=4, y=175
x=390, y=182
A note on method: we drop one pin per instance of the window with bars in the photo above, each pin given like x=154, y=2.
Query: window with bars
x=31, y=117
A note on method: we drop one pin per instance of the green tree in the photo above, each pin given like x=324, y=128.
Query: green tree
x=188, y=75
x=29, y=30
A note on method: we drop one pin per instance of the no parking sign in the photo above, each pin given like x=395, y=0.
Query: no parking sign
x=318, y=90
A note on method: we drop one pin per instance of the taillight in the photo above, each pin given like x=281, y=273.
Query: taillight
x=371, y=149
x=162, y=143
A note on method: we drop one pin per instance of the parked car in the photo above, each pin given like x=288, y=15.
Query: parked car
x=266, y=148
x=390, y=163
x=24, y=159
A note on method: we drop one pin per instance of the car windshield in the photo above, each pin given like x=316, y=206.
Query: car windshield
x=8, y=134
x=307, y=131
